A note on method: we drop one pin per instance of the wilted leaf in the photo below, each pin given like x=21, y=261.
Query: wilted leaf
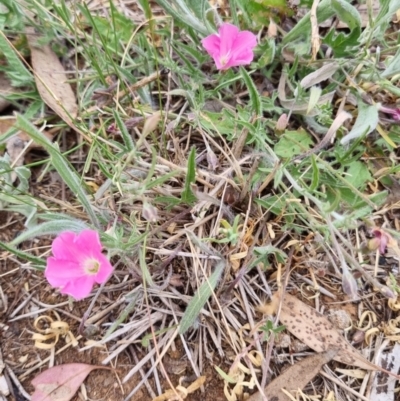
x=60, y=383
x=316, y=331
x=51, y=79
x=296, y=377
x=319, y=75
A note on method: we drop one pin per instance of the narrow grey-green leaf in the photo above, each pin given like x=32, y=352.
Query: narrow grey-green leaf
x=127, y=138
x=60, y=163
x=183, y=16
x=319, y=75
x=40, y=263
x=253, y=92
x=50, y=228
x=200, y=298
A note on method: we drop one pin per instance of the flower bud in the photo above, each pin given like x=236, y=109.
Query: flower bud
x=282, y=123
x=349, y=284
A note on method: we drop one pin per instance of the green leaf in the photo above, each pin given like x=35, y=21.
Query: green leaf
x=200, y=298
x=303, y=27
x=255, y=100
x=187, y=194
x=183, y=15
x=50, y=228
x=358, y=175
x=37, y=262
x=315, y=175
x=347, y=13
x=16, y=71
x=293, y=143
x=394, y=66
x=60, y=163
x=127, y=138
x=224, y=375
x=342, y=44
x=366, y=122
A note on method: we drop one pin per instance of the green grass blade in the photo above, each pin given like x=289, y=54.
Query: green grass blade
x=200, y=298
x=66, y=171
x=187, y=194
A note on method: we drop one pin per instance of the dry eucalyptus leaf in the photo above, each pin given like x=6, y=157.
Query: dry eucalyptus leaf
x=60, y=383
x=315, y=330
x=51, y=79
x=296, y=377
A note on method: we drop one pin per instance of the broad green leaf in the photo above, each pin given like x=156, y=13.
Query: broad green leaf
x=358, y=175
x=342, y=44
x=303, y=27
x=187, y=194
x=347, y=13
x=293, y=143
x=200, y=298
x=366, y=122
x=60, y=163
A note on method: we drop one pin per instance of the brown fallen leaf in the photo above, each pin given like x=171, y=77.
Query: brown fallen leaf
x=60, y=383
x=316, y=331
x=51, y=79
x=295, y=378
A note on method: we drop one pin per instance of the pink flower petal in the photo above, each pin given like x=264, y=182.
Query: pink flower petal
x=105, y=270
x=228, y=34
x=79, y=288
x=62, y=270
x=89, y=239
x=212, y=44
x=64, y=247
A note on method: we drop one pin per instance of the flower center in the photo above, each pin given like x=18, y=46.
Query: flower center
x=91, y=266
x=224, y=59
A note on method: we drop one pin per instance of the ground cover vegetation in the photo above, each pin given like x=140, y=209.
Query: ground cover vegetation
x=199, y=199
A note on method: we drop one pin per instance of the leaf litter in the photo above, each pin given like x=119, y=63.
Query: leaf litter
x=316, y=331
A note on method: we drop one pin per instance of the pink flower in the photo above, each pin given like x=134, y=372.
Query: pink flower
x=380, y=240
x=77, y=263
x=394, y=112
x=229, y=47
